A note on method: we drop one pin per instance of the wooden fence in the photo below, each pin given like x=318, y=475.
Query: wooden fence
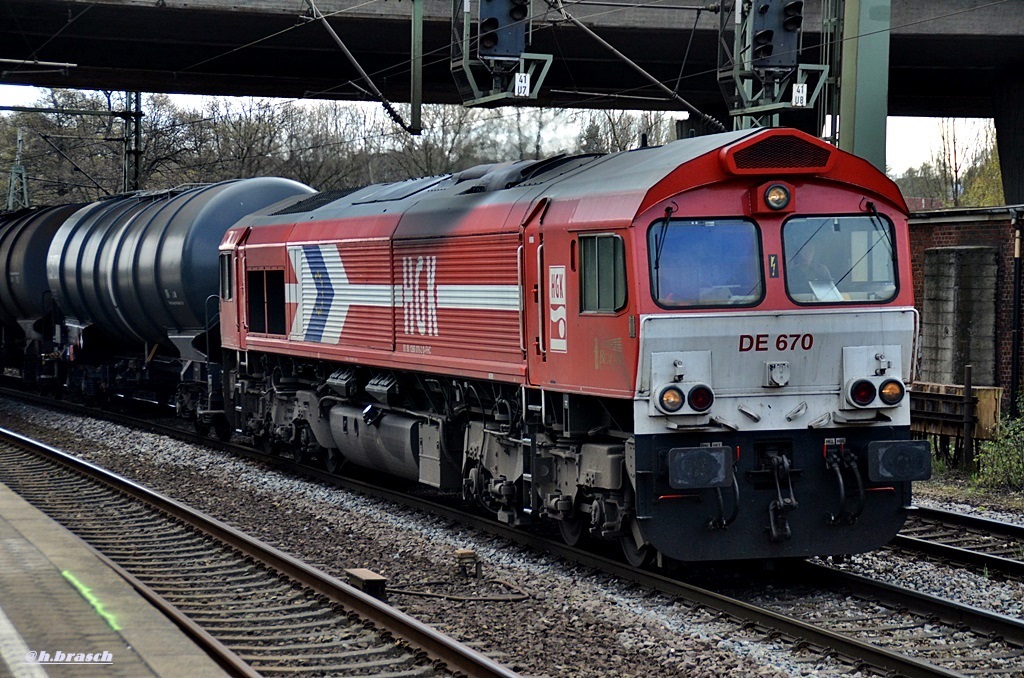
x=955, y=416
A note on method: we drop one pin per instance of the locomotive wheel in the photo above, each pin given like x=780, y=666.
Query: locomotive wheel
x=201, y=427
x=573, y=531
x=222, y=428
x=266, y=445
x=637, y=556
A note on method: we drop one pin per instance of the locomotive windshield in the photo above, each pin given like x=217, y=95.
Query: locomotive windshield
x=839, y=259
x=705, y=262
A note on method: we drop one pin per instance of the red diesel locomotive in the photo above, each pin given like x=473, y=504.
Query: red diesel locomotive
x=699, y=350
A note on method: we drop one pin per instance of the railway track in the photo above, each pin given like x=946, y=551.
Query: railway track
x=988, y=545
x=866, y=639
x=255, y=609
x=955, y=638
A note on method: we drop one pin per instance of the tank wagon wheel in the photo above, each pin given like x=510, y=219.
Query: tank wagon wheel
x=332, y=460
x=266, y=445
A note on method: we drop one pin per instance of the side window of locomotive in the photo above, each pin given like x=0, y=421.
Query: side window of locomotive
x=602, y=273
x=266, y=302
x=834, y=259
x=705, y=263
x=227, y=275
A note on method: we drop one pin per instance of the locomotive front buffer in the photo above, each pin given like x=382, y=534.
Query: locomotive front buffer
x=783, y=445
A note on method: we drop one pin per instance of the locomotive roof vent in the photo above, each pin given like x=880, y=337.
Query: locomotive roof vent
x=784, y=151
x=315, y=201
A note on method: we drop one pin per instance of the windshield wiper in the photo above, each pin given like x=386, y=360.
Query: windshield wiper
x=659, y=245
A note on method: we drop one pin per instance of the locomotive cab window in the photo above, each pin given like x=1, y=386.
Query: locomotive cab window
x=227, y=277
x=834, y=260
x=602, y=273
x=705, y=262
x=266, y=302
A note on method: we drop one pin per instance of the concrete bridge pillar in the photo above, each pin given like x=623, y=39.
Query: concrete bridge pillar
x=1008, y=108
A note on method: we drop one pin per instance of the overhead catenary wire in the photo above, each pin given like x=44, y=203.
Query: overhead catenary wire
x=72, y=162
x=404, y=67
x=707, y=119
x=582, y=96
x=392, y=113
x=650, y=4
x=33, y=55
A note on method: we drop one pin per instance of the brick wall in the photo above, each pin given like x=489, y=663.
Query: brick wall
x=986, y=227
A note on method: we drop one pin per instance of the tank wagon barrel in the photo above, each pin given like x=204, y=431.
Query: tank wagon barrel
x=142, y=266
x=25, y=238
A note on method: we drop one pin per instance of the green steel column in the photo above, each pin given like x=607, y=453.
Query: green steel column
x=864, y=88
x=416, y=93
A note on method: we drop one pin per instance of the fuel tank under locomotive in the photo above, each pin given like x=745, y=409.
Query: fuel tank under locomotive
x=142, y=266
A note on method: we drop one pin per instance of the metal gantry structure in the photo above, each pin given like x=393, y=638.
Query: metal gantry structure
x=759, y=61
x=495, y=66
x=17, y=190
x=131, y=115
x=766, y=75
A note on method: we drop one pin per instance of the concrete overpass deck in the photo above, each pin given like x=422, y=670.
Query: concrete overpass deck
x=947, y=57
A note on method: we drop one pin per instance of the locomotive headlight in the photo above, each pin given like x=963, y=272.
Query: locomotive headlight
x=891, y=392
x=671, y=399
x=862, y=392
x=701, y=398
x=776, y=196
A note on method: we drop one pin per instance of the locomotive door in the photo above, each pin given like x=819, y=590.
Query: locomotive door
x=532, y=263
x=232, y=287
x=548, y=297
x=581, y=330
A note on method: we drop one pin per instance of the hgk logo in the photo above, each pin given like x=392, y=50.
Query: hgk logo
x=419, y=295
x=556, y=308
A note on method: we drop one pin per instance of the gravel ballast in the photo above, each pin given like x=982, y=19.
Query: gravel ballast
x=571, y=622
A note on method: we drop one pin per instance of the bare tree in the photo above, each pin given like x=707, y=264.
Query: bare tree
x=70, y=158
x=330, y=145
x=451, y=140
x=613, y=130
x=951, y=160
x=983, y=180
x=327, y=145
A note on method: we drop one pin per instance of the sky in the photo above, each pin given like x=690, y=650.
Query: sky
x=910, y=142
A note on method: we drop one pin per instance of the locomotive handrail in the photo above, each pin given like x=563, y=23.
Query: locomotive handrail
x=540, y=301
x=522, y=303
x=915, y=345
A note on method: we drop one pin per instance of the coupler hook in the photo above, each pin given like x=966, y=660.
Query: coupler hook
x=778, y=510
x=838, y=458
